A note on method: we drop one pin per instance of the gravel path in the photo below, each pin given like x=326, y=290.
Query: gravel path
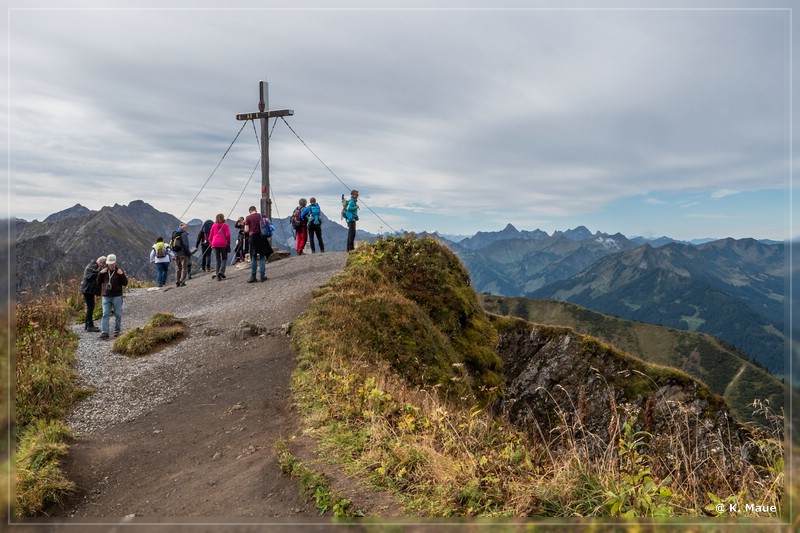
x=125, y=388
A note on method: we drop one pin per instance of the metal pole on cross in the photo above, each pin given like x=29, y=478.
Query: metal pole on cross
x=264, y=113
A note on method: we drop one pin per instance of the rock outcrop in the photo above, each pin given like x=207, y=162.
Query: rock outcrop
x=570, y=390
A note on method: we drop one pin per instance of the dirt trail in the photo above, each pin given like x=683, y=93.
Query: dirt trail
x=208, y=450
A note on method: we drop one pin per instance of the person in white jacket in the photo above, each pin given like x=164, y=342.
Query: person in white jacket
x=161, y=254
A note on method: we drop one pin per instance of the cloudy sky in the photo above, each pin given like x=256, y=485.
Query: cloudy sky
x=652, y=121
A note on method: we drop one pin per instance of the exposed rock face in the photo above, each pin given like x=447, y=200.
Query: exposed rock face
x=564, y=388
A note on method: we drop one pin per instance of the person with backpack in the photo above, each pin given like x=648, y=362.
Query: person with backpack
x=220, y=239
x=240, y=252
x=204, y=245
x=179, y=243
x=112, y=281
x=259, y=244
x=351, y=215
x=300, y=225
x=160, y=255
x=91, y=290
x=315, y=225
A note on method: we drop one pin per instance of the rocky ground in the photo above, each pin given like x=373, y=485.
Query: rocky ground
x=187, y=435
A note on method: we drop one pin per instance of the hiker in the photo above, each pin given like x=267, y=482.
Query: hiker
x=91, y=290
x=220, y=239
x=299, y=225
x=259, y=245
x=315, y=225
x=351, y=215
x=240, y=251
x=160, y=255
x=203, y=244
x=180, y=247
x=111, y=280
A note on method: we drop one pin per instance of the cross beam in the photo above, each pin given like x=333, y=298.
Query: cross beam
x=264, y=115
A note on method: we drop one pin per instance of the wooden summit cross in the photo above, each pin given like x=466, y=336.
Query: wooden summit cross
x=266, y=203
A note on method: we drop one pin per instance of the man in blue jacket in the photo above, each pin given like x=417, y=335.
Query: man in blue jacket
x=180, y=247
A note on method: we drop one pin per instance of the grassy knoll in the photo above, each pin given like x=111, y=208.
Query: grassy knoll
x=397, y=377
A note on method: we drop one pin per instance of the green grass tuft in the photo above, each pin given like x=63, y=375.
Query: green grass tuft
x=160, y=330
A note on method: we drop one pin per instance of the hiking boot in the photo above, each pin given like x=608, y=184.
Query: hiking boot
x=263, y=278
x=117, y=333
x=93, y=329
x=222, y=276
x=104, y=336
x=213, y=276
x=251, y=280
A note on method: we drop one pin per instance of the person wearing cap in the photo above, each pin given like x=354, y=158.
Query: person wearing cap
x=91, y=290
x=111, y=279
x=351, y=215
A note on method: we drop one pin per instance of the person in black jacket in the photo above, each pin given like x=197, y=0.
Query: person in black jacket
x=242, y=243
x=204, y=246
x=112, y=280
x=91, y=290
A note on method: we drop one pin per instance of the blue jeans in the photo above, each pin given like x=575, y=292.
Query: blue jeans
x=262, y=259
x=163, y=272
x=108, y=301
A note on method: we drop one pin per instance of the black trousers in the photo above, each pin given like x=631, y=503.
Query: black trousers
x=315, y=229
x=205, y=259
x=88, y=322
x=351, y=235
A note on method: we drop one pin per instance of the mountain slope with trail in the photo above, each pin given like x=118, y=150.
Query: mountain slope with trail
x=190, y=431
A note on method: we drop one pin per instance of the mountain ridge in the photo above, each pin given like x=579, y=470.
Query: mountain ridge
x=508, y=262
x=730, y=289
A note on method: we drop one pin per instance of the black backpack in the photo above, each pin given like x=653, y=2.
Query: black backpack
x=176, y=243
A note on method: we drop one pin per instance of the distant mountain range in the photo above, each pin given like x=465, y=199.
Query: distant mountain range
x=732, y=289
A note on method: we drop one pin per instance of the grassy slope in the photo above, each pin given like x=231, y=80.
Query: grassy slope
x=396, y=366
x=726, y=372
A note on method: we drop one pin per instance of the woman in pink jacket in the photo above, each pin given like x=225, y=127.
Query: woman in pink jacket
x=220, y=239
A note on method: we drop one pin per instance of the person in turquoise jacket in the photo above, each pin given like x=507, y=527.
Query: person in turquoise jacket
x=351, y=215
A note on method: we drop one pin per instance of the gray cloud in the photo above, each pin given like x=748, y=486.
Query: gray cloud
x=424, y=111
